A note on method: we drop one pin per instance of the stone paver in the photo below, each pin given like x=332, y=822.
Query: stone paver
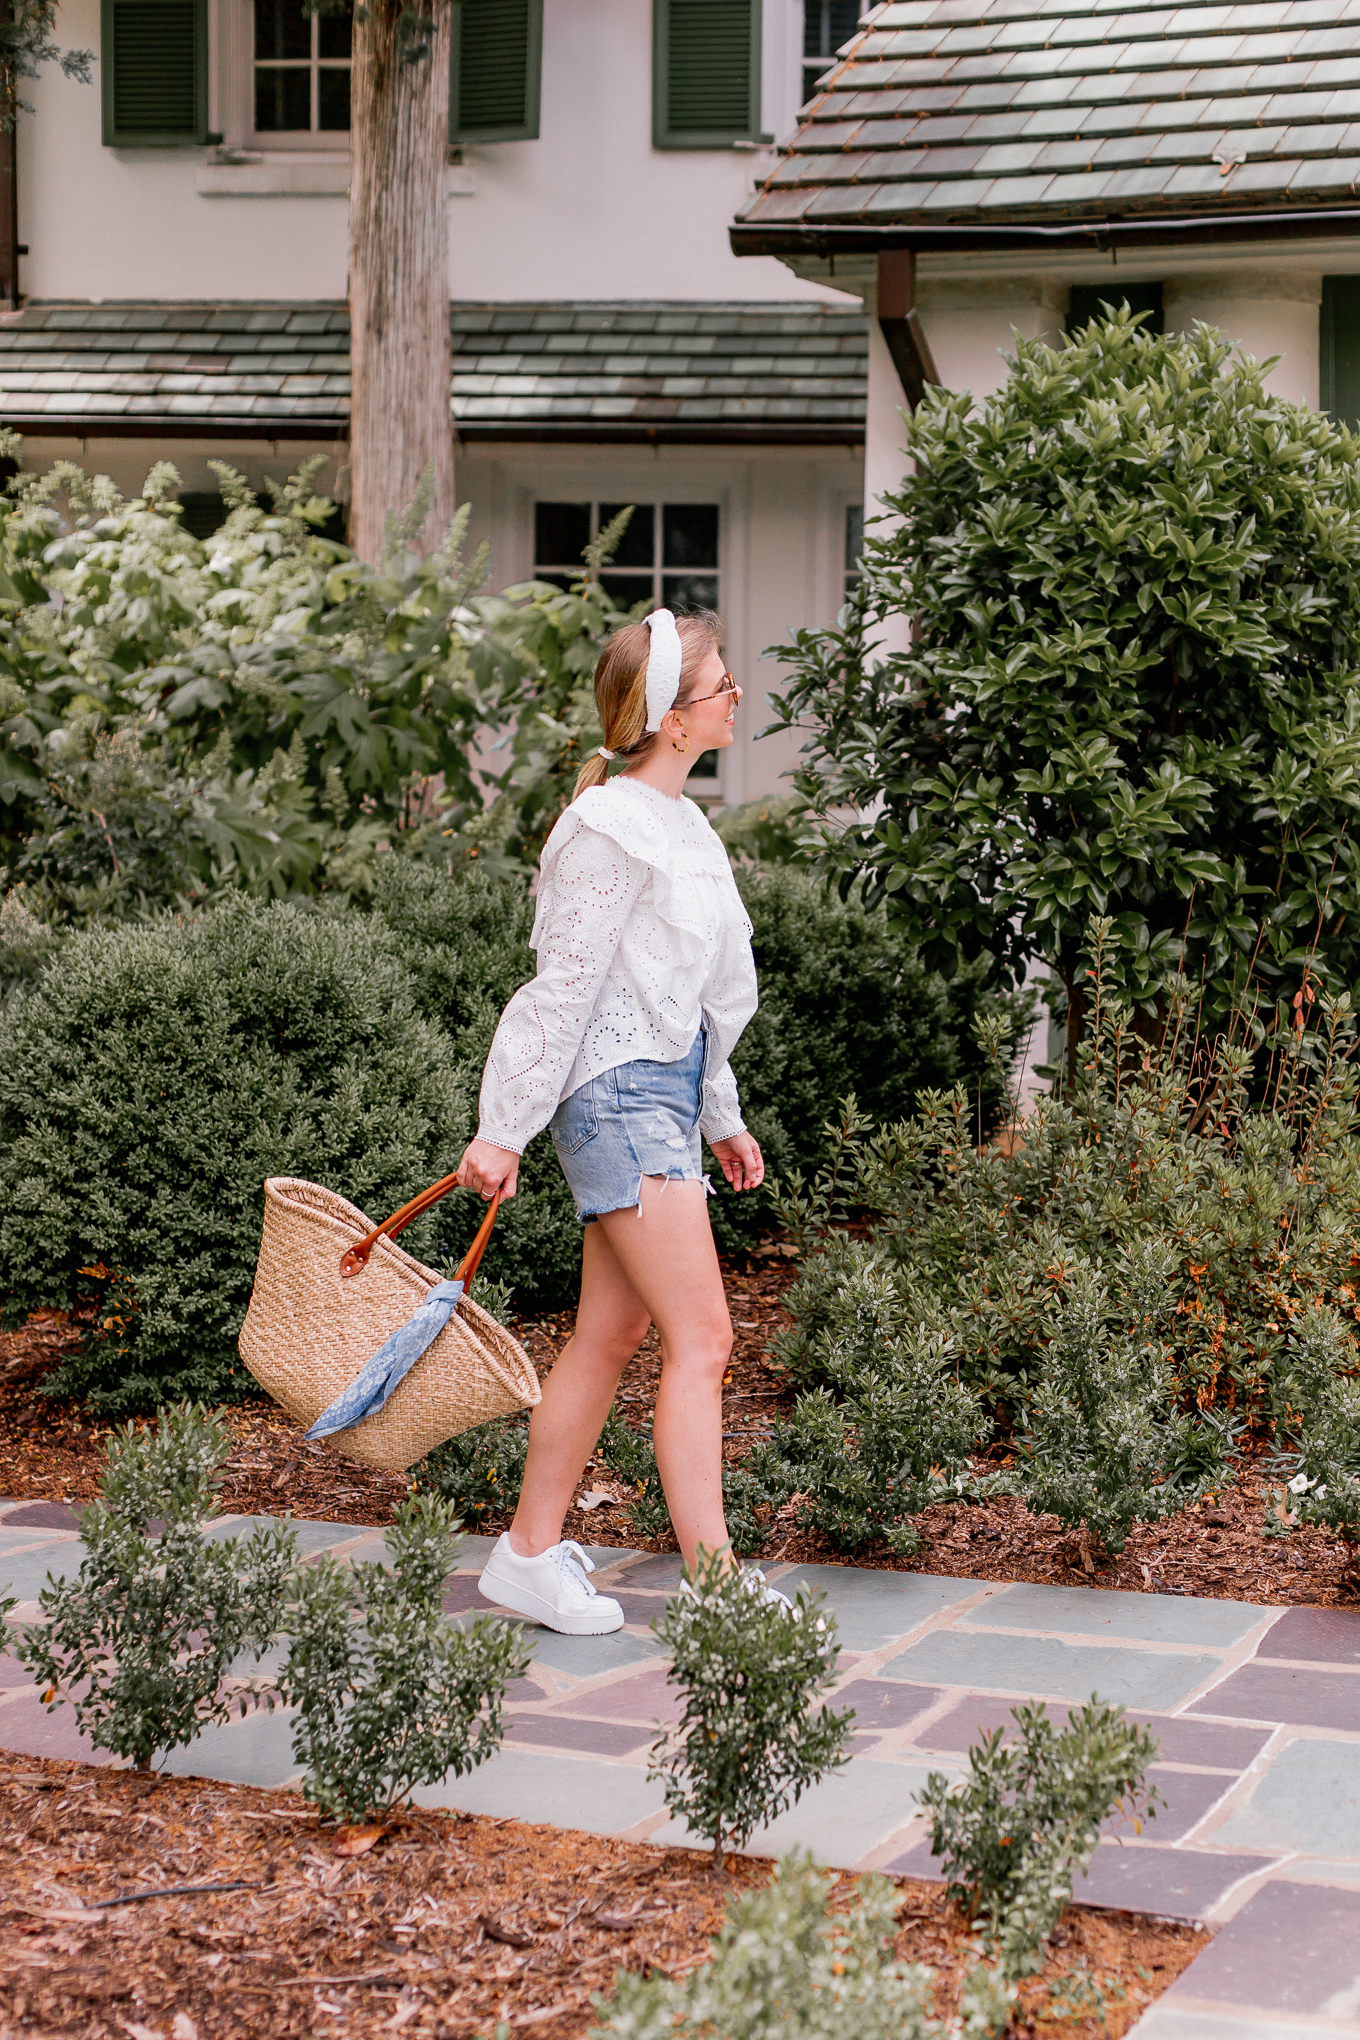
x=1257, y=1711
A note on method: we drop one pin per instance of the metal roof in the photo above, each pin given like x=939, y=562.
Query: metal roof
x=632, y=370
x=991, y=113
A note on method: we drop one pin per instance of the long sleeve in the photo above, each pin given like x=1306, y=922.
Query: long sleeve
x=721, y=1116
x=593, y=887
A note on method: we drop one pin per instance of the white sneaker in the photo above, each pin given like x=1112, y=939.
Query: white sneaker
x=755, y=1582
x=551, y=1589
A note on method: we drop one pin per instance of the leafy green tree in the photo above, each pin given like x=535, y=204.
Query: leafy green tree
x=143, y=1638
x=1132, y=687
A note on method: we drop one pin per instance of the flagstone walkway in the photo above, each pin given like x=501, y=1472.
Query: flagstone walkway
x=1258, y=1711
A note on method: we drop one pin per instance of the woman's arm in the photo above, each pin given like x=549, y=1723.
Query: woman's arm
x=593, y=886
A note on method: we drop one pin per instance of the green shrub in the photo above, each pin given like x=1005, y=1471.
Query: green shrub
x=390, y=1692
x=1102, y=1439
x=1016, y=1829
x=747, y=1744
x=1129, y=687
x=1322, y=1412
x=151, y=1082
x=898, y=1442
x=142, y=1639
x=479, y=1472
x=784, y=1967
x=1157, y=1150
x=840, y=990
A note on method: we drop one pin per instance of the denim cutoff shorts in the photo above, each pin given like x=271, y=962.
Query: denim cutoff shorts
x=640, y=1119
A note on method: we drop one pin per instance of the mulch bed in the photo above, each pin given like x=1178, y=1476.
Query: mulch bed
x=448, y=1924
x=52, y=1450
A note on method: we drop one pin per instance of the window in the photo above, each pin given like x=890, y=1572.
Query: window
x=1339, y=349
x=154, y=73
x=668, y=557
x=826, y=25
x=1097, y=300
x=854, y=546
x=705, y=73
x=496, y=60
x=301, y=76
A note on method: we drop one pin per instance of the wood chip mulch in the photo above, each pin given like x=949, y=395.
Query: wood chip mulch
x=51, y=1450
x=444, y=1926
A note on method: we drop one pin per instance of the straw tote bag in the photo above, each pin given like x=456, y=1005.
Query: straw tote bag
x=331, y=1289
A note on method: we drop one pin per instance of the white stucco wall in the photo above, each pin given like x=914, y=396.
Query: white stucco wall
x=590, y=210
x=1262, y=311
x=971, y=324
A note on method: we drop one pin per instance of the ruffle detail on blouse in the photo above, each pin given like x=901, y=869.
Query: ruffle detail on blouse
x=635, y=819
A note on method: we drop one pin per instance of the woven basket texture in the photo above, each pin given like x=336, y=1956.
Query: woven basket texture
x=308, y=1332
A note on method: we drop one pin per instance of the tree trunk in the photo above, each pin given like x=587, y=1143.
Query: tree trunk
x=398, y=269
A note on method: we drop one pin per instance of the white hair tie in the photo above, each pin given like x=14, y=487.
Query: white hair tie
x=663, y=667
x=608, y=756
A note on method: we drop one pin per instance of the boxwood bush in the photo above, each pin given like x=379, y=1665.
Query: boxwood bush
x=152, y=1081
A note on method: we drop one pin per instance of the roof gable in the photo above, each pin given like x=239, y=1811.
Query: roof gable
x=1000, y=112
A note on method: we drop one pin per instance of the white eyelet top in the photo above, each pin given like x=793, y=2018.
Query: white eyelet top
x=641, y=936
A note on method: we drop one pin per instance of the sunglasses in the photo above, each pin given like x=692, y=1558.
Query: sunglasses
x=729, y=686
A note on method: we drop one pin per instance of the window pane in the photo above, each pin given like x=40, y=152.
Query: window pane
x=627, y=589
x=336, y=34
x=705, y=767
x=814, y=33
x=283, y=101
x=854, y=534
x=561, y=533
x=332, y=98
x=638, y=548
x=282, y=30
x=562, y=581
x=690, y=532
x=690, y=591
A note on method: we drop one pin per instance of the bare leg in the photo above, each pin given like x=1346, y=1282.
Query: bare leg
x=661, y=1266
x=670, y=1260
x=611, y=1323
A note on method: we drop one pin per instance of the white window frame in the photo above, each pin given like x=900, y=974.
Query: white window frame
x=235, y=96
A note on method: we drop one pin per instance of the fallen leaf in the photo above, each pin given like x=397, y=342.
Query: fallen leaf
x=357, y=1841
x=595, y=1498
x=182, y=2027
x=141, y=2032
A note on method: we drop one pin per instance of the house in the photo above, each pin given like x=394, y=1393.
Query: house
x=979, y=166
x=176, y=281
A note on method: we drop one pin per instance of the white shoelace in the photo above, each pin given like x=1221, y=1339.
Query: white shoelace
x=574, y=1563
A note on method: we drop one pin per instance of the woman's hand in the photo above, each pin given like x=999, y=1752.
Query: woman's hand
x=487, y=1169
x=741, y=1161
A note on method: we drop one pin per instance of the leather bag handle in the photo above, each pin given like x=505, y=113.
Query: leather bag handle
x=356, y=1258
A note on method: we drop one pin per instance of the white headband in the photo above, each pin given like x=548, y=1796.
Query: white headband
x=663, y=667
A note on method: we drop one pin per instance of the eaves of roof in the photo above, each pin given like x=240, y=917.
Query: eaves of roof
x=1006, y=122
x=633, y=371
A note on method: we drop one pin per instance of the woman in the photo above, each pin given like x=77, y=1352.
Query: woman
x=620, y=1046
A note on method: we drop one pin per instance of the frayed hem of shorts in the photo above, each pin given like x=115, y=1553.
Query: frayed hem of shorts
x=635, y=1204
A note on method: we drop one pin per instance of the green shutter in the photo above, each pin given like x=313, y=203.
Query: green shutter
x=496, y=70
x=705, y=73
x=154, y=59
x=1339, y=349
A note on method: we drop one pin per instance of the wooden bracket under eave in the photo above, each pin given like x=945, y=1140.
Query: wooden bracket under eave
x=900, y=323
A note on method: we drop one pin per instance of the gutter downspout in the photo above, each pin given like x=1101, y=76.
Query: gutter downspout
x=900, y=323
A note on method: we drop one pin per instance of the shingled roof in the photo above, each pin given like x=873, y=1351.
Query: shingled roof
x=624, y=371
x=1034, y=114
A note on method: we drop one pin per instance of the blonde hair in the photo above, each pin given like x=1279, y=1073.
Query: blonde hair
x=621, y=687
